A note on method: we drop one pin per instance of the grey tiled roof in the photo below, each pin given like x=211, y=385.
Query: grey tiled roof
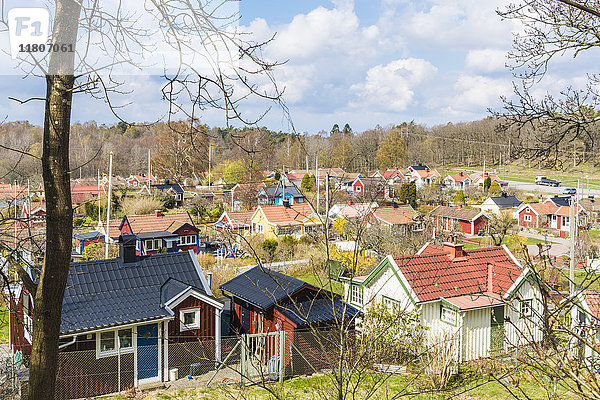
x=317, y=311
x=263, y=287
x=105, y=293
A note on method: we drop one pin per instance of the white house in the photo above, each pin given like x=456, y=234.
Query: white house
x=478, y=301
x=499, y=204
x=422, y=175
x=459, y=181
x=585, y=320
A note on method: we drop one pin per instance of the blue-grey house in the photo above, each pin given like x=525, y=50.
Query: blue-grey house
x=276, y=195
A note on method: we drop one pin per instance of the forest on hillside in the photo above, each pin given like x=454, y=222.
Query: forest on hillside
x=180, y=150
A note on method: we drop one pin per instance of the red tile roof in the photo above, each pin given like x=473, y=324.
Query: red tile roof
x=465, y=214
x=87, y=189
x=402, y=215
x=163, y=223
x=460, y=178
x=592, y=299
x=292, y=215
x=433, y=275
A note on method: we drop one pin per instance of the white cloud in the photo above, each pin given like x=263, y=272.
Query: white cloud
x=486, y=60
x=391, y=86
x=473, y=94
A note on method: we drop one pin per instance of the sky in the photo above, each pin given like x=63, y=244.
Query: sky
x=361, y=62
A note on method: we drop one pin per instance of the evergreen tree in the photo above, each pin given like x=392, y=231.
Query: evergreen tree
x=460, y=197
x=486, y=184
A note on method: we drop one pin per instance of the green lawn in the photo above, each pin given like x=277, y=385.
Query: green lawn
x=537, y=241
x=408, y=386
x=318, y=281
x=588, y=280
x=521, y=173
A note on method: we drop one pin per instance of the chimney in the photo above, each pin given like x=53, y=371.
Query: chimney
x=394, y=204
x=454, y=250
x=127, y=245
x=157, y=213
x=460, y=173
x=427, y=170
x=490, y=282
x=286, y=203
x=504, y=194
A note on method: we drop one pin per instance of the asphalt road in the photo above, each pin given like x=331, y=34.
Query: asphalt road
x=533, y=188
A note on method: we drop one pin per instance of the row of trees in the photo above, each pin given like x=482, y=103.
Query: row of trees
x=180, y=149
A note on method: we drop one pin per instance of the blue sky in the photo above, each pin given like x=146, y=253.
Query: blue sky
x=362, y=62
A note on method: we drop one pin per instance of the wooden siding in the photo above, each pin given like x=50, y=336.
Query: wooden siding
x=522, y=330
x=207, y=321
x=476, y=334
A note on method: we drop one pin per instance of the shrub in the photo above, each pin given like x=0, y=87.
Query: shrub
x=140, y=205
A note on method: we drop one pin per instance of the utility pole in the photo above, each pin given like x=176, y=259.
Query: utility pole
x=107, y=237
x=572, y=240
x=149, y=171
x=209, y=162
x=317, y=180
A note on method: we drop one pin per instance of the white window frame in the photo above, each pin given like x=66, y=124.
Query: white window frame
x=187, y=240
x=156, y=244
x=27, y=320
x=526, y=308
x=195, y=325
x=115, y=350
x=566, y=221
x=356, y=294
x=527, y=218
x=448, y=315
x=390, y=304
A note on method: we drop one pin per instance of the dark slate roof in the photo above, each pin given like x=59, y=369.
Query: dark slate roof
x=166, y=186
x=159, y=234
x=277, y=191
x=561, y=201
x=105, y=293
x=88, y=235
x=419, y=167
x=317, y=311
x=263, y=287
x=506, y=201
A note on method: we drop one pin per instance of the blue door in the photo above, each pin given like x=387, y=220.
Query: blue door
x=147, y=350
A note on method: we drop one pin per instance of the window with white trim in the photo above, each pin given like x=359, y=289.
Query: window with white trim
x=448, y=315
x=152, y=244
x=107, y=345
x=356, y=295
x=187, y=240
x=527, y=218
x=526, y=308
x=390, y=304
x=190, y=319
x=285, y=231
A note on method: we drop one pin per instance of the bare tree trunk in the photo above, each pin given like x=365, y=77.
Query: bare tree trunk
x=59, y=218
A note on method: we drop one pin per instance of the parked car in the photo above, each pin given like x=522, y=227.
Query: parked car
x=542, y=180
x=569, y=190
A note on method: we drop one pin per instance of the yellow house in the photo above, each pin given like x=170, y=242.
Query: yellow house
x=274, y=221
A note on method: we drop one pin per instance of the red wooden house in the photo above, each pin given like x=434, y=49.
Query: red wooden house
x=173, y=232
x=264, y=301
x=458, y=219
